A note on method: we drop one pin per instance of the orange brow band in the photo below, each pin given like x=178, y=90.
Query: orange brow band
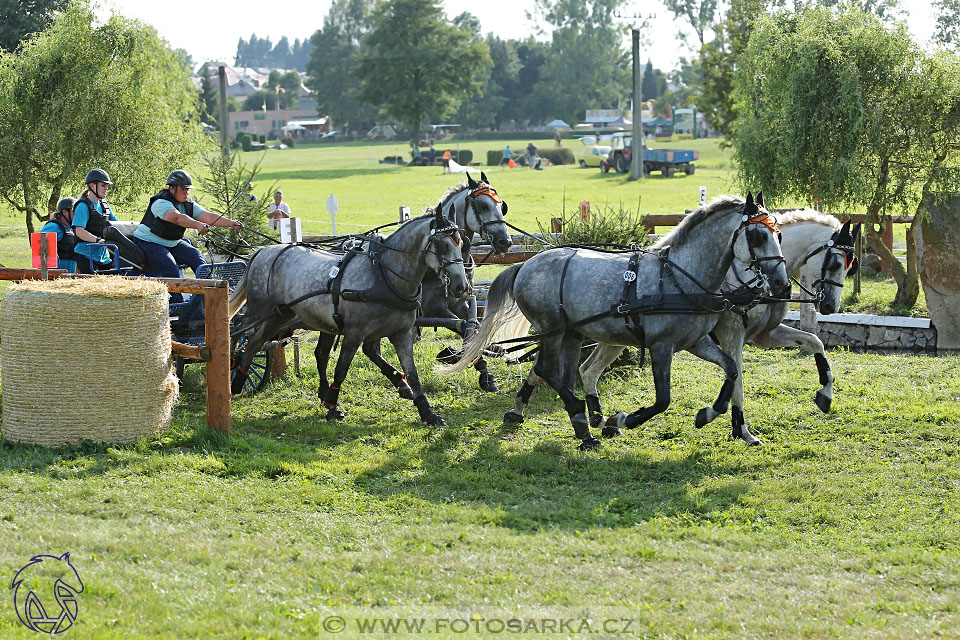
x=766, y=220
x=486, y=190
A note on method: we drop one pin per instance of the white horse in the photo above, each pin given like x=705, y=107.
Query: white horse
x=806, y=234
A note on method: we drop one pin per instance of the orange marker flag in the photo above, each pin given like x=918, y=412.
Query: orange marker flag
x=511, y=163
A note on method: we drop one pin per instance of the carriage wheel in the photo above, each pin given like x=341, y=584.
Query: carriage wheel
x=259, y=369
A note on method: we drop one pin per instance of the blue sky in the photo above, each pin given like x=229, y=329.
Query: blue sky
x=210, y=30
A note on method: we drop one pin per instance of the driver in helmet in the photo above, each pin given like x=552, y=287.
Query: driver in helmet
x=160, y=234
x=91, y=216
x=61, y=223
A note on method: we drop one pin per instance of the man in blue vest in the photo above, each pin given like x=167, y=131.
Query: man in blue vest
x=160, y=234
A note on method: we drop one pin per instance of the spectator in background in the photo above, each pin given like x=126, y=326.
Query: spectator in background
x=60, y=223
x=278, y=210
x=507, y=156
x=432, y=155
x=558, y=138
x=253, y=198
x=446, y=160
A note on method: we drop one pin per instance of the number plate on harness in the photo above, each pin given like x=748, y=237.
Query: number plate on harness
x=629, y=276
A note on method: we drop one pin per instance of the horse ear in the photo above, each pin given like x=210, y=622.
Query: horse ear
x=845, y=229
x=439, y=218
x=856, y=231
x=760, y=198
x=749, y=206
x=471, y=182
x=483, y=177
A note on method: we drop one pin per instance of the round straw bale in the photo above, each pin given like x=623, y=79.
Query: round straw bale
x=85, y=359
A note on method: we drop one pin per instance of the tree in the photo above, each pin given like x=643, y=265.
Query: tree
x=699, y=14
x=208, y=97
x=81, y=95
x=417, y=64
x=20, y=18
x=649, y=88
x=573, y=77
x=948, y=23
x=840, y=107
x=333, y=57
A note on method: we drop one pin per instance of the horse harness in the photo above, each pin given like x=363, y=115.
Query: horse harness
x=382, y=292
x=741, y=299
x=849, y=258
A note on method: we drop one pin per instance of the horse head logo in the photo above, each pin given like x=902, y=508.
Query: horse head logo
x=45, y=594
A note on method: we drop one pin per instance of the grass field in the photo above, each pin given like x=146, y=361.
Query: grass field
x=842, y=525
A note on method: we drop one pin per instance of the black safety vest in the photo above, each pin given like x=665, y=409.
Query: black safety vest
x=162, y=228
x=97, y=221
x=67, y=242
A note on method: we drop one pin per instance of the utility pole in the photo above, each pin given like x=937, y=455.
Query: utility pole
x=636, y=162
x=224, y=119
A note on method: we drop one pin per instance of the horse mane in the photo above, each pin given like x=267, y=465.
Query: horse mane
x=682, y=230
x=796, y=216
x=449, y=193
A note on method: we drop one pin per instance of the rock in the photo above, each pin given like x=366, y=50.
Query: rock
x=938, y=260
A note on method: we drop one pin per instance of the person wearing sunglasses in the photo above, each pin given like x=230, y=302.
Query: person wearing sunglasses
x=160, y=234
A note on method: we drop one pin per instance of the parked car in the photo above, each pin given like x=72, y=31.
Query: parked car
x=592, y=155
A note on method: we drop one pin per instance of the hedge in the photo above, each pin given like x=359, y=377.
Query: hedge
x=557, y=155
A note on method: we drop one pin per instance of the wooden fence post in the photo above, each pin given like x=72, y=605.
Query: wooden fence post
x=217, y=337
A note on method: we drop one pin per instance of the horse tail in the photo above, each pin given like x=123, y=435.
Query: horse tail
x=500, y=309
x=237, y=297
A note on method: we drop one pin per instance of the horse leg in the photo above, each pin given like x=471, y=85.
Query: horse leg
x=322, y=354
x=784, y=336
x=371, y=349
x=403, y=344
x=557, y=364
x=348, y=349
x=591, y=369
x=707, y=349
x=515, y=415
x=731, y=336
x=661, y=360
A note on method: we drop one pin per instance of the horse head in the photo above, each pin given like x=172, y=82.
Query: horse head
x=488, y=210
x=839, y=261
x=757, y=244
x=444, y=253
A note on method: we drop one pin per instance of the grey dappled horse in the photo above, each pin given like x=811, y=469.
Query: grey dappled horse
x=666, y=298
x=364, y=295
x=812, y=243
x=475, y=207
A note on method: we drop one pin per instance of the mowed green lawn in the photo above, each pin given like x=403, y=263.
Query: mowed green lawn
x=842, y=525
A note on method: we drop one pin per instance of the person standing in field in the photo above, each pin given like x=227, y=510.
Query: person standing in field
x=278, y=210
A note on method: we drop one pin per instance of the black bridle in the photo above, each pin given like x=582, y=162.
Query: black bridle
x=484, y=189
x=762, y=217
x=831, y=248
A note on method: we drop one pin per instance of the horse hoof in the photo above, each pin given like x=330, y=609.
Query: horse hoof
x=748, y=438
x=619, y=419
x=822, y=401
x=448, y=356
x=405, y=392
x=335, y=414
x=611, y=432
x=488, y=384
x=704, y=417
x=589, y=444
x=436, y=421
x=512, y=417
